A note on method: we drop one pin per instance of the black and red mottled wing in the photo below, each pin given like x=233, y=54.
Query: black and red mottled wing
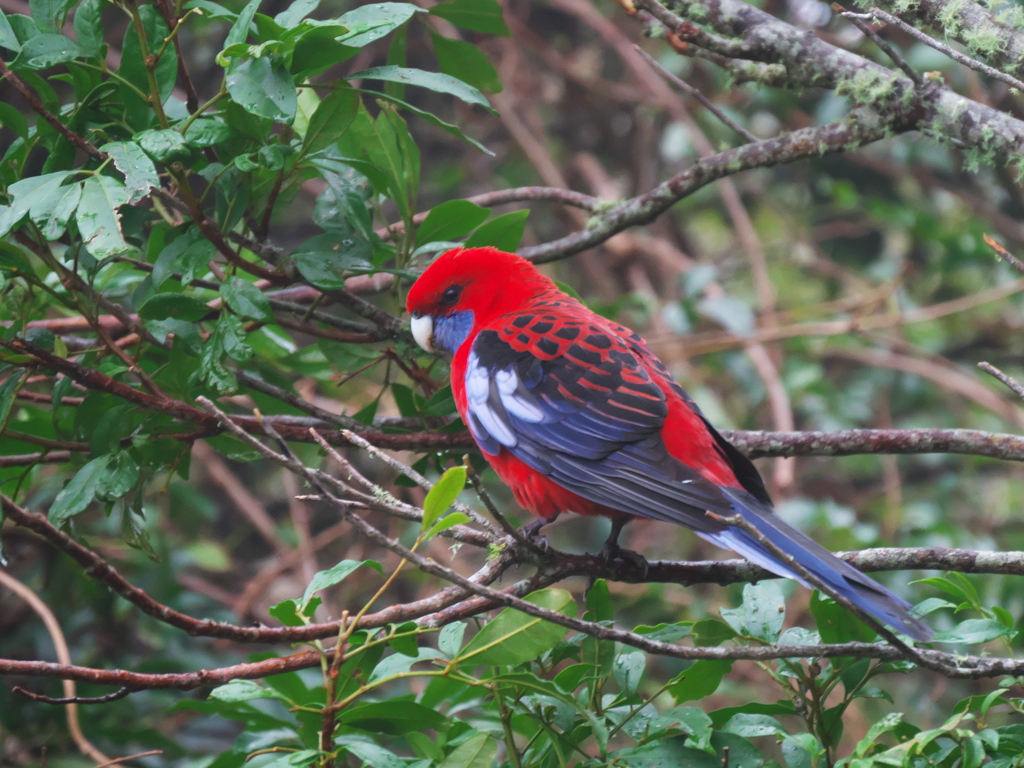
x=573, y=402
x=744, y=469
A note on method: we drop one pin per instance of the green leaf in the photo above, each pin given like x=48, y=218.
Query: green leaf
x=762, y=612
x=446, y=522
x=139, y=172
x=450, y=220
x=503, y=232
x=133, y=67
x=394, y=718
x=836, y=624
x=454, y=130
x=49, y=15
x=383, y=150
x=693, y=722
x=79, y=493
x=33, y=191
x=318, y=50
x=121, y=475
x=13, y=260
x=336, y=575
x=782, y=707
x=699, y=680
x=89, y=27
x=404, y=640
x=399, y=664
x=174, y=305
x=672, y=633
x=955, y=584
x=514, y=638
x=8, y=39
x=629, y=671
x=190, y=251
x=374, y=21
x=466, y=62
x=99, y=221
x=295, y=13
x=46, y=50
x=332, y=118
x=206, y=133
x=163, y=145
x=434, y=81
x=240, y=29
x=244, y=690
x=443, y=495
x=711, y=632
x=323, y=260
x=751, y=726
x=886, y=724
x=478, y=751
x=974, y=631
x=369, y=753
x=973, y=753
x=599, y=601
x=212, y=10
x=11, y=118
x=44, y=199
x=246, y=299
x=291, y=614
x=8, y=389
x=476, y=15
x=56, y=220
x=263, y=88
x=449, y=639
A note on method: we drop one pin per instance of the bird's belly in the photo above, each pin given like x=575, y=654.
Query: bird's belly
x=540, y=495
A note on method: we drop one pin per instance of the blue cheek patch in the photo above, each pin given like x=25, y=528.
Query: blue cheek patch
x=451, y=330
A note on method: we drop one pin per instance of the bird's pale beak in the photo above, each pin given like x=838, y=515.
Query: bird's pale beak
x=423, y=330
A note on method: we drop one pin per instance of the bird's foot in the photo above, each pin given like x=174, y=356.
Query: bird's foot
x=531, y=533
x=617, y=556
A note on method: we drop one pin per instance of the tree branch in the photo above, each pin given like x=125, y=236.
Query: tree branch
x=857, y=130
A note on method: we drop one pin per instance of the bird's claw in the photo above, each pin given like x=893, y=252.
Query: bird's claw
x=615, y=556
x=531, y=533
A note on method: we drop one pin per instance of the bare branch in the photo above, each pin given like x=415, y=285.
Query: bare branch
x=1008, y=380
x=955, y=55
x=972, y=21
x=856, y=131
x=898, y=60
x=60, y=644
x=686, y=88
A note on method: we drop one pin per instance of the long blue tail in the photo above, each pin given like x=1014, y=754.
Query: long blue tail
x=861, y=590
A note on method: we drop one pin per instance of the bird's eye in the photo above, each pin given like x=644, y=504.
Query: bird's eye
x=451, y=295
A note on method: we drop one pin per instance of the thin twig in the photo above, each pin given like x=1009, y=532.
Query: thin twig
x=37, y=106
x=120, y=693
x=695, y=93
x=898, y=60
x=1008, y=380
x=819, y=140
x=967, y=61
x=119, y=760
x=413, y=475
x=506, y=526
x=60, y=645
x=1004, y=254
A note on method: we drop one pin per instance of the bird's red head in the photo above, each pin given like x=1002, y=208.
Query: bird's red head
x=466, y=288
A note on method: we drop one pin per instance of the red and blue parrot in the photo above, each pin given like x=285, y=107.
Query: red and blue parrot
x=575, y=413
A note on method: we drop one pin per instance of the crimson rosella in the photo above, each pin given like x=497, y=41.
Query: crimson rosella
x=575, y=413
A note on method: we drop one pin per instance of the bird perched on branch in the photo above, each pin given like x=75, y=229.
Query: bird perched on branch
x=575, y=413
